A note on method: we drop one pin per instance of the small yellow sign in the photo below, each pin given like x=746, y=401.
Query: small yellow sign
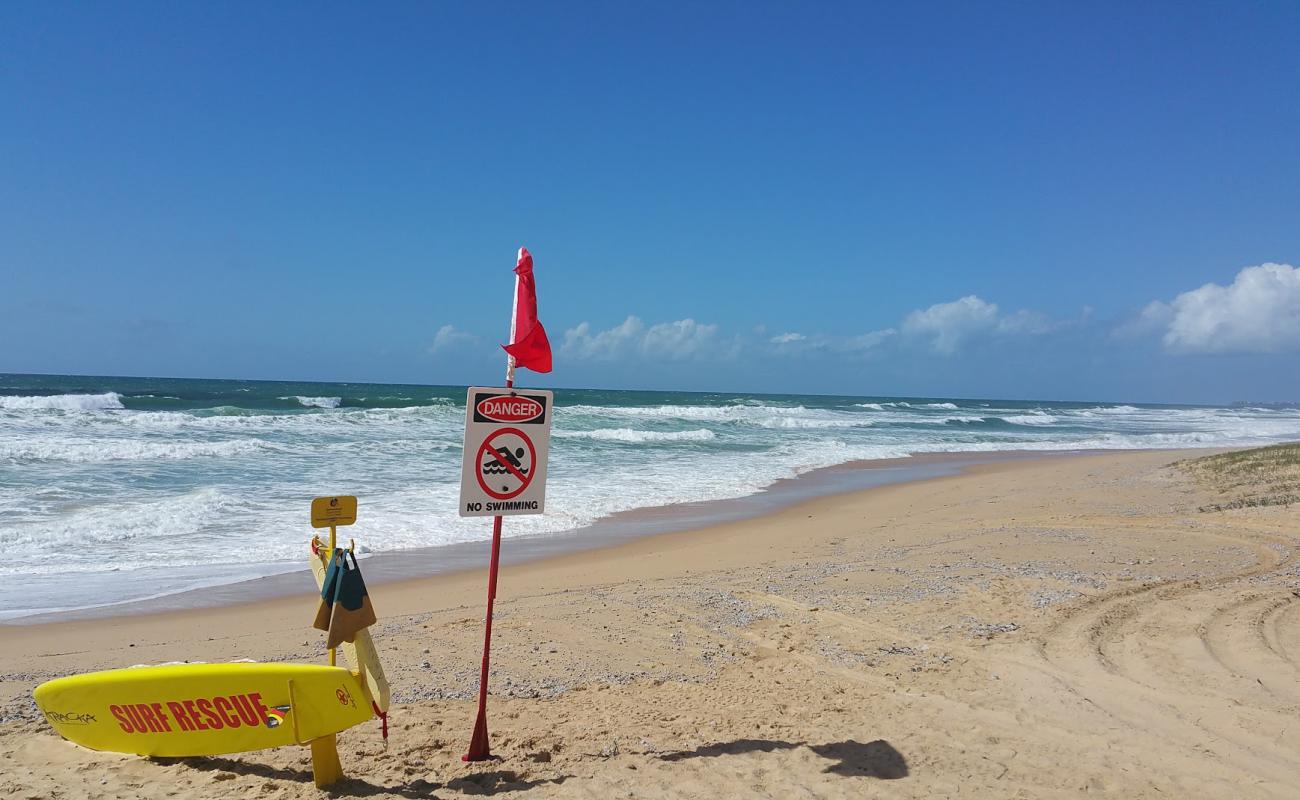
x=333, y=511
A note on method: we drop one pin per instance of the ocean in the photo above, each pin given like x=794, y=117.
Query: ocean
x=122, y=489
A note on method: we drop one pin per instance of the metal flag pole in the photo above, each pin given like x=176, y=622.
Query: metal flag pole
x=478, y=743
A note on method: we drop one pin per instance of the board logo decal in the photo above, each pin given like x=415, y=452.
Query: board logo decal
x=69, y=718
x=275, y=716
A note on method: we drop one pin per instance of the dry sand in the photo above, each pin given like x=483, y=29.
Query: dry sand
x=1059, y=627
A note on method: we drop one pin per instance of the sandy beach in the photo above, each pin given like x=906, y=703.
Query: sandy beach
x=1051, y=627
x=887, y=400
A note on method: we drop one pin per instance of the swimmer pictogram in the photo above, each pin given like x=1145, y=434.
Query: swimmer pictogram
x=506, y=461
x=505, y=456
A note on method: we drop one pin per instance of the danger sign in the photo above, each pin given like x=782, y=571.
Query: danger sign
x=507, y=434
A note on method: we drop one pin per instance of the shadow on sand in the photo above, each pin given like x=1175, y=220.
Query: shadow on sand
x=876, y=759
x=479, y=783
x=850, y=758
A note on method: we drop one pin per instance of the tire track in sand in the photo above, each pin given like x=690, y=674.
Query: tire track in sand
x=1191, y=662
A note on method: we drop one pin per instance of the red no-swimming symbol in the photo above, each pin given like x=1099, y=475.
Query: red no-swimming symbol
x=501, y=456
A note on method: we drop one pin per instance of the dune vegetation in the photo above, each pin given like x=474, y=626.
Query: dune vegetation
x=1262, y=476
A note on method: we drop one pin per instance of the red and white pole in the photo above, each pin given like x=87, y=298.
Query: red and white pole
x=478, y=743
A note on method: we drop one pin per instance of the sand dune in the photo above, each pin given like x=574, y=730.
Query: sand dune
x=1058, y=627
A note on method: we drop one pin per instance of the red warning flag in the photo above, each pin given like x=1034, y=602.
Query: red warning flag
x=530, y=348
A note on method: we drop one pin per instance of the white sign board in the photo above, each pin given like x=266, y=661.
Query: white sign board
x=507, y=436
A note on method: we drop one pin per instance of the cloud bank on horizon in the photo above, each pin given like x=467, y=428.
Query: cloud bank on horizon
x=680, y=340
x=1258, y=313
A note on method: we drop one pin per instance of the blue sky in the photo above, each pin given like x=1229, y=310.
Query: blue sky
x=1009, y=200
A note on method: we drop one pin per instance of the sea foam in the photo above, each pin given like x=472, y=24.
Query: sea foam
x=99, y=451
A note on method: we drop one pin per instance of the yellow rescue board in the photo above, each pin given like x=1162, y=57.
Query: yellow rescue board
x=360, y=653
x=203, y=709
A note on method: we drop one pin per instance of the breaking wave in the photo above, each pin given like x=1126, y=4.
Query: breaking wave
x=638, y=437
x=1030, y=419
x=316, y=402
x=64, y=402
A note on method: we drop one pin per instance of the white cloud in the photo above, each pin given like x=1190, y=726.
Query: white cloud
x=870, y=340
x=798, y=344
x=947, y=326
x=607, y=345
x=1025, y=322
x=448, y=337
x=682, y=340
x=1153, y=319
x=944, y=326
x=1258, y=313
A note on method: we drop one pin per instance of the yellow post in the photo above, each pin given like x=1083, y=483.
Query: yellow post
x=329, y=512
x=326, y=770
x=334, y=542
